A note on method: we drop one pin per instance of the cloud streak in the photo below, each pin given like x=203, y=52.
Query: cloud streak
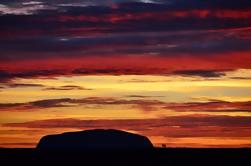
x=201, y=73
x=67, y=102
x=177, y=127
x=211, y=106
x=141, y=102
x=67, y=87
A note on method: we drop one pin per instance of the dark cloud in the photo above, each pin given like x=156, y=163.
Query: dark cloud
x=211, y=106
x=44, y=46
x=229, y=110
x=212, y=4
x=145, y=103
x=26, y=26
x=49, y=103
x=200, y=73
x=9, y=83
x=131, y=5
x=35, y=104
x=114, y=71
x=241, y=78
x=6, y=76
x=66, y=102
x=68, y=87
x=126, y=17
x=141, y=96
x=9, y=105
x=19, y=85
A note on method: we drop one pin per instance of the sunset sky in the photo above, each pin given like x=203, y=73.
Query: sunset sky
x=176, y=71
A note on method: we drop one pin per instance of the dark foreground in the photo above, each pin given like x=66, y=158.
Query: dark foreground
x=162, y=157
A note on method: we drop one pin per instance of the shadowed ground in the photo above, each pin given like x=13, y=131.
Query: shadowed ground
x=160, y=157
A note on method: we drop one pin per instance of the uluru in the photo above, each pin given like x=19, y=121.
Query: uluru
x=98, y=139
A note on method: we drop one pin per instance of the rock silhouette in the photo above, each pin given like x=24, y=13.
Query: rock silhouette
x=98, y=139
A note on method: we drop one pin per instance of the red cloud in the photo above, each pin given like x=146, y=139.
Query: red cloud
x=124, y=65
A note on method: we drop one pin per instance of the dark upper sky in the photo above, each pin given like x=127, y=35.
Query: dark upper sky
x=142, y=31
